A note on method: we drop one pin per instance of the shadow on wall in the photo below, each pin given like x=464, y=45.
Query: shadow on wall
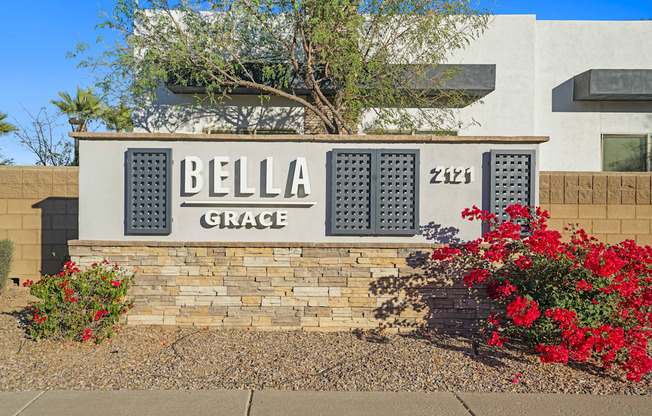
x=438, y=234
x=59, y=224
x=188, y=117
x=431, y=297
x=562, y=102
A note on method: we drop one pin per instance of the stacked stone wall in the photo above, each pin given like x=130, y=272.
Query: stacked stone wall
x=321, y=287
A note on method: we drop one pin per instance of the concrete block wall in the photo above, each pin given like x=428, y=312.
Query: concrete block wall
x=611, y=206
x=323, y=287
x=38, y=212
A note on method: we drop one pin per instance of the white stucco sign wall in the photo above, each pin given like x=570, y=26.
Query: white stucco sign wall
x=252, y=190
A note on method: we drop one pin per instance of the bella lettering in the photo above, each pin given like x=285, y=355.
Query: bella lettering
x=195, y=173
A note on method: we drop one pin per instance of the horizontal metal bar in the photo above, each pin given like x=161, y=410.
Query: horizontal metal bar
x=246, y=204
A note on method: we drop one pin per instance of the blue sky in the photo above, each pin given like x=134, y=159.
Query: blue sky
x=35, y=36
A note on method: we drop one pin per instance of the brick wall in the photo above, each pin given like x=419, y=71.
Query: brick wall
x=312, y=123
x=610, y=206
x=38, y=212
x=288, y=286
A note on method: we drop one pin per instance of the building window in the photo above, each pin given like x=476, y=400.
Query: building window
x=626, y=153
x=374, y=192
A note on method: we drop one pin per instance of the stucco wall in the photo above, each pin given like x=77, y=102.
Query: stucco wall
x=102, y=191
x=535, y=64
x=565, y=49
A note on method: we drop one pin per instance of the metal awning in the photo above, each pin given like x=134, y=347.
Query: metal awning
x=475, y=81
x=613, y=85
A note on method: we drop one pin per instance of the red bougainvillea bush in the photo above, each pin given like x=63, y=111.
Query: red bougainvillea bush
x=576, y=300
x=79, y=305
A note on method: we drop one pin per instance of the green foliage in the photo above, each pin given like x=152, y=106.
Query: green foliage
x=80, y=305
x=118, y=118
x=369, y=60
x=5, y=126
x=86, y=106
x=6, y=257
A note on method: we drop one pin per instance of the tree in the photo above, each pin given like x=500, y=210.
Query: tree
x=39, y=136
x=118, y=118
x=5, y=128
x=340, y=59
x=85, y=107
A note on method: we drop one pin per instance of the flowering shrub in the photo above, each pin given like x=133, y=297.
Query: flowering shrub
x=79, y=305
x=578, y=300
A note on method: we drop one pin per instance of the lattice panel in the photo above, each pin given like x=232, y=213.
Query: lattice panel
x=352, y=202
x=397, y=192
x=148, y=191
x=512, y=180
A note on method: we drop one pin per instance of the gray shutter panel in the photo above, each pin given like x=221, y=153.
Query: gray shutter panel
x=147, y=191
x=352, y=204
x=398, y=192
x=512, y=180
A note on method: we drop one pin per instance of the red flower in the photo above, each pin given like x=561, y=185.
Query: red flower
x=494, y=319
x=496, y=290
x=523, y=263
x=553, y=353
x=496, y=340
x=88, y=334
x=520, y=313
x=115, y=283
x=476, y=276
x=445, y=253
x=583, y=285
x=99, y=314
x=517, y=211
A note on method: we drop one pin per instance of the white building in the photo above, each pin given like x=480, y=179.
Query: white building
x=585, y=84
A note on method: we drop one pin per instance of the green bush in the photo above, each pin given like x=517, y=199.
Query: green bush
x=6, y=257
x=80, y=305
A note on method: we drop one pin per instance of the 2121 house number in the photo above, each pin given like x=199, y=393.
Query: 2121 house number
x=453, y=174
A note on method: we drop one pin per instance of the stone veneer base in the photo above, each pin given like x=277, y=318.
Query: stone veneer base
x=289, y=286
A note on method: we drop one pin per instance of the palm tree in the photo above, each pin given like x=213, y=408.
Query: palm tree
x=5, y=126
x=85, y=107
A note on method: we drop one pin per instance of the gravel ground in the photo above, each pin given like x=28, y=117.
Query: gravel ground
x=151, y=358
